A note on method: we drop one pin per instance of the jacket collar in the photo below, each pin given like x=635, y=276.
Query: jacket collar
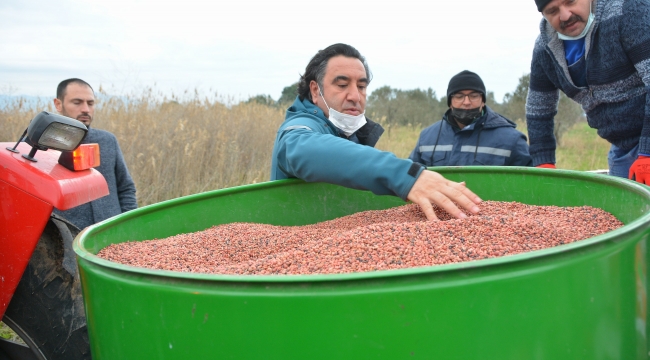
x=369, y=133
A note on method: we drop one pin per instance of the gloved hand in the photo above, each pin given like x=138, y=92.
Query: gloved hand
x=640, y=170
x=546, y=166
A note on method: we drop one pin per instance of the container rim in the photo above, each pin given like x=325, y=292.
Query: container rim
x=636, y=226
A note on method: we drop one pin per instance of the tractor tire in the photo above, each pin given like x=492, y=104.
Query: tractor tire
x=46, y=310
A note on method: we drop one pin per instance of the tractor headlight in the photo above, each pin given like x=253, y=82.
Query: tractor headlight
x=52, y=131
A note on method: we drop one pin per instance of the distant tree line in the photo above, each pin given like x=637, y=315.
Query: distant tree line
x=423, y=107
x=289, y=94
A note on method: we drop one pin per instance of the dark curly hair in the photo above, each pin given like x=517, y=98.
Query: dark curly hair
x=315, y=70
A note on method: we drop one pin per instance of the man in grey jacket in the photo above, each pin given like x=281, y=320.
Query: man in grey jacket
x=75, y=98
x=598, y=53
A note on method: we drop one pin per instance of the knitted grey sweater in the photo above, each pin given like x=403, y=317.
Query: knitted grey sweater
x=616, y=99
x=121, y=187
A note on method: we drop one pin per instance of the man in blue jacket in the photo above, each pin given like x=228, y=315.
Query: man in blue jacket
x=598, y=54
x=470, y=133
x=76, y=99
x=327, y=138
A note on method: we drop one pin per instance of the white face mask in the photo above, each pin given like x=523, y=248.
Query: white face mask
x=590, y=22
x=345, y=122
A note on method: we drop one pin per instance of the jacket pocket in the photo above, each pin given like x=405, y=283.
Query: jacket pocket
x=438, y=158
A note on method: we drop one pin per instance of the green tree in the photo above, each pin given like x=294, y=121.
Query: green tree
x=403, y=107
x=491, y=101
x=262, y=99
x=514, y=104
x=289, y=94
x=381, y=106
x=569, y=112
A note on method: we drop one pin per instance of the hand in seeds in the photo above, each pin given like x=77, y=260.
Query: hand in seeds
x=432, y=188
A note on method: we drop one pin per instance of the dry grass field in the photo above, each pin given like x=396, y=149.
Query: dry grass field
x=175, y=148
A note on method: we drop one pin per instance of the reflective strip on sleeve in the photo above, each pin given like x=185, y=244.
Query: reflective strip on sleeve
x=293, y=127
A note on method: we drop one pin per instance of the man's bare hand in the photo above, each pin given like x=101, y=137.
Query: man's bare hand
x=432, y=188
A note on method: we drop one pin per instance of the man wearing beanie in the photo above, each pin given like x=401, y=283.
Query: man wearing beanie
x=470, y=133
x=598, y=54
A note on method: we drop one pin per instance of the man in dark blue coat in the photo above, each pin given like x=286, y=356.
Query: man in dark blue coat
x=470, y=133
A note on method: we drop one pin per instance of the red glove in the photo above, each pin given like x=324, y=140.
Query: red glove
x=640, y=170
x=546, y=166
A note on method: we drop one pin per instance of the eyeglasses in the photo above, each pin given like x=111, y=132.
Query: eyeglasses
x=473, y=97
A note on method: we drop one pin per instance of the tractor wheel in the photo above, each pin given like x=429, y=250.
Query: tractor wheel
x=46, y=310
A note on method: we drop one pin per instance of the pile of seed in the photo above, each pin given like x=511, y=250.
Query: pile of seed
x=399, y=237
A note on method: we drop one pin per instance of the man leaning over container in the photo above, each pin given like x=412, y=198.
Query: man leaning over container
x=327, y=138
x=75, y=98
x=598, y=54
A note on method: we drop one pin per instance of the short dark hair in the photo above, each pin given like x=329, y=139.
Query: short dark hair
x=315, y=70
x=63, y=86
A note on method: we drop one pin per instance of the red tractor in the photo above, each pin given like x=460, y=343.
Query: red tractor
x=40, y=293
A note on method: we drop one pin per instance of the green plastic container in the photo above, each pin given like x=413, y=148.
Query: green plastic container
x=584, y=300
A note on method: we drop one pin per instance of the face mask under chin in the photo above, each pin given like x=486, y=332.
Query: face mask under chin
x=466, y=116
x=348, y=124
x=590, y=21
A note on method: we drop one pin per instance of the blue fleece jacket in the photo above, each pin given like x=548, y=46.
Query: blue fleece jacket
x=616, y=99
x=490, y=140
x=309, y=147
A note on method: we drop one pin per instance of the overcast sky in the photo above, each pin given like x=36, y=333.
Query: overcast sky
x=242, y=48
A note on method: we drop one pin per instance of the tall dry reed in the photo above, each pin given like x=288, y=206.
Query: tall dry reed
x=16, y=115
x=177, y=147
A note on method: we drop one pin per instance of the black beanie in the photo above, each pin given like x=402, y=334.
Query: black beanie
x=465, y=80
x=541, y=4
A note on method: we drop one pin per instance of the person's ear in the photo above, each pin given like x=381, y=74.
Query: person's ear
x=315, y=92
x=58, y=105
